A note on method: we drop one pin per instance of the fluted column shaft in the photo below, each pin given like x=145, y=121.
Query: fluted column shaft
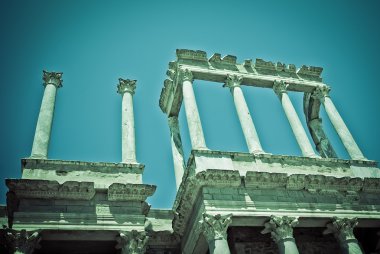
x=177, y=151
x=127, y=89
x=343, y=232
x=299, y=132
x=192, y=114
x=322, y=93
x=246, y=122
x=52, y=81
x=214, y=228
x=281, y=230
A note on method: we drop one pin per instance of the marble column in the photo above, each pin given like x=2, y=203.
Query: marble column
x=177, y=151
x=322, y=93
x=214, y=228
x=252, y=139
x=281, y=230
x=133, y=242
x=192, y=114
x=126, y=88
x=22, y=242
x=280, y=88
x=52, y=81
x=343, y=230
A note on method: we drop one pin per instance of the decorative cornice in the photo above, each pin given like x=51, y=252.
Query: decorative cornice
x=133, y=242
x=310, y=71
x=186, y=75
x=126, y=86
x=342, y=228
x=280, y=228
x=280, y=87
x=52, y=78
x=22, y=241
x=214, y=227
x=265, y=180
x=321, y=92
x=233, y=81
x=44, y=189
x=130, y=192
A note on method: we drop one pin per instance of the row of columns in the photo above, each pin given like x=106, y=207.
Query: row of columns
x=233, y=82
x=214, y=228
x=53, y=81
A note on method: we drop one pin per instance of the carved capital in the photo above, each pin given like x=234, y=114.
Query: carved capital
x=321, y=92
x=186, y=75
x=233, y=81
x=280, y=87
x=343, y=229
x=280, y=228
x=133, y=242
x=215, y=227
x=52, y=78
x=126, y=86
x=22, y=241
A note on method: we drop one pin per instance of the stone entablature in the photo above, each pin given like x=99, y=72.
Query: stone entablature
x=130, y=192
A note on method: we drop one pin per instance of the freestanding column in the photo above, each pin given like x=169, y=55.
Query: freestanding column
x=322, y=93
x=175, y=138
x=52, y=81
x=127, y=89
x=192, y=114
x=279, y=88
x=214, y=228
x=343, y=232
x=133, y=242
x=246, y=122
x=281, y=230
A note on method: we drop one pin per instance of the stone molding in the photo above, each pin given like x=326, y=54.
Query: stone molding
x=21, y=241
x=44, y=189
x=280, y=228
x=233, y=81
x=130, y=192
x=214, y=227
x=52, y=78
x=126, y=86
x=321, y=92
x=280, y=87
x=342, y=228
x=133, y=242
x=186, y=75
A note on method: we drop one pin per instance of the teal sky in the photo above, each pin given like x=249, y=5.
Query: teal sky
x=95, y=42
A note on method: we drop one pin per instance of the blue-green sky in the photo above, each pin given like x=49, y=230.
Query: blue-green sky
x=95, y=42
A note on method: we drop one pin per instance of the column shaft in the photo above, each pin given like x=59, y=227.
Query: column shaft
x=295, y=123
x=192, y=114
x=287, y=246
x=177, y=151
x=128, y=129
x=219, y=246
x=342, y=130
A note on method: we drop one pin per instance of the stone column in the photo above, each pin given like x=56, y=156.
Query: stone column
x=322, y=93
x=343, y=232
x=281, y=230
x=279, y=88
x=127, y=89
x=252, y=139
x=192, y=114
x=214, y=228
x=177, y=151
x=22, y=242
x=133, y=242
x=52, y=81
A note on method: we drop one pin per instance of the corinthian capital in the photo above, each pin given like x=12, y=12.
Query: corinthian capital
x=233, y=81
x=321, y=92
x=215, y=227
x=279, y=87
x=133, y=242
x=126, y=85
x=280, y=228
x=22, y=241
x=186, y=75
x=343, y=229
x=52, y=78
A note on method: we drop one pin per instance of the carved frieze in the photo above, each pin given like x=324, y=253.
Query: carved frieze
x=130, y=192
x=186, y=54
x=265, y=180
x=44, y=189
x=310, y=71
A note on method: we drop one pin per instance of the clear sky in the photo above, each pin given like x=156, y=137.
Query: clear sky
x=95, y=42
